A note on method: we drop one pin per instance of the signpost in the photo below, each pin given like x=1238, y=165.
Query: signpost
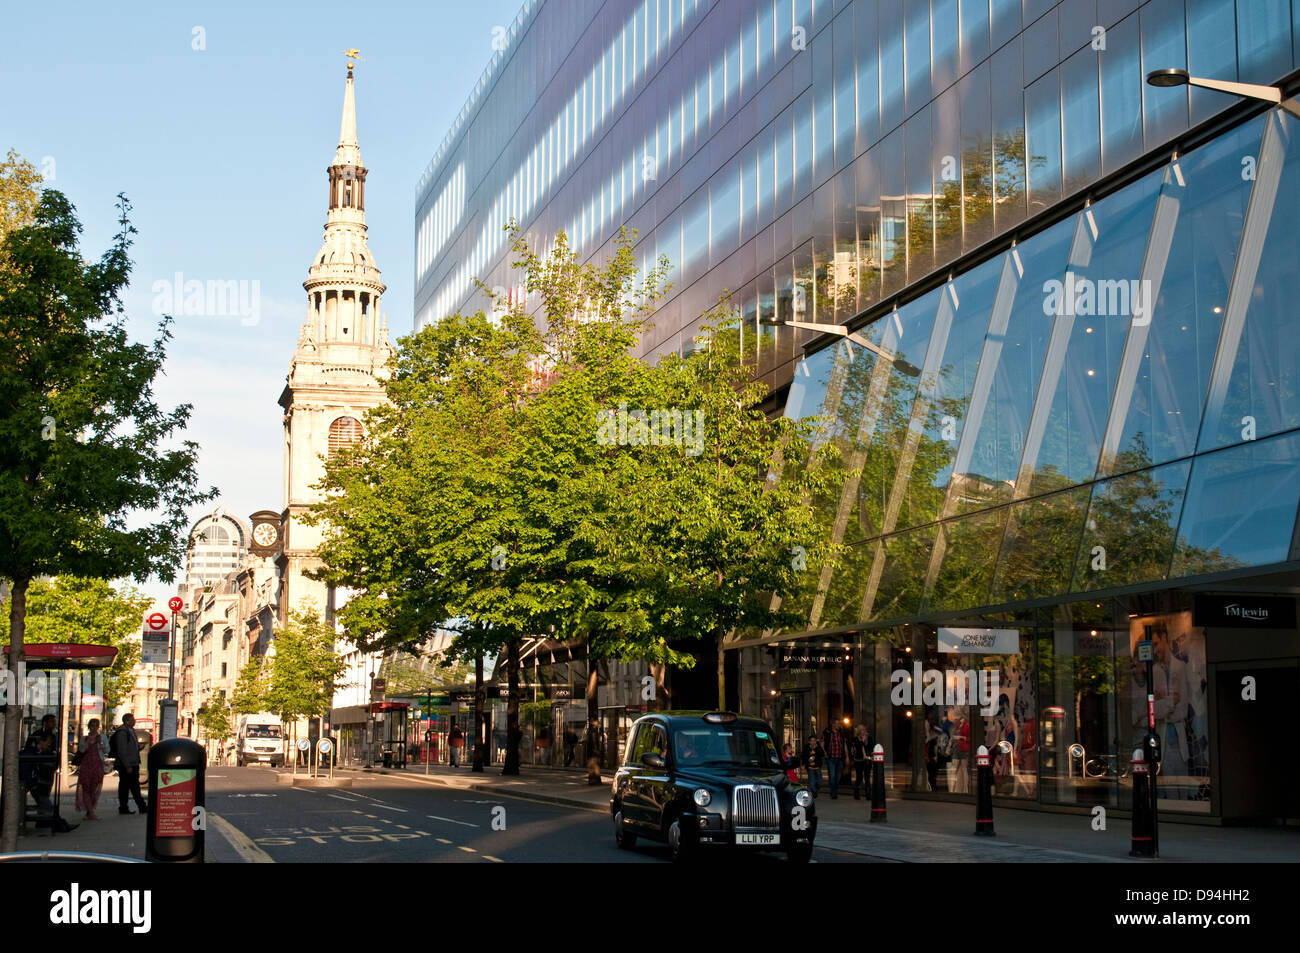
x=156, y=622
x=1151, y=744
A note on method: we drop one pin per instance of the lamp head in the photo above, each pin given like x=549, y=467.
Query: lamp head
x=1167, y=77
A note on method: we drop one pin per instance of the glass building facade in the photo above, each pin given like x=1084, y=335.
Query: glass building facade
x=1078, y=426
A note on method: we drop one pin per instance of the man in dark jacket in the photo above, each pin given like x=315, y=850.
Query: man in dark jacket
x=126, y=761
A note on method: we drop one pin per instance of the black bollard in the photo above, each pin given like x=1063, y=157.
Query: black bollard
x=878, y=784
x=176, y=823
x=983, y=793
x=1144, y=821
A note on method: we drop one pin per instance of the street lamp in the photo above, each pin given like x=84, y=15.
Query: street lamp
x=1180, y=77
x=911, y=370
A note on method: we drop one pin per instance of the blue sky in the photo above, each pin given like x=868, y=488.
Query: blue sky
x=222, y=151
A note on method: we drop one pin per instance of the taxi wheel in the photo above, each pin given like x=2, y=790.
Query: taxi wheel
x=678, y=845
x=625, y=839
x=800, y=853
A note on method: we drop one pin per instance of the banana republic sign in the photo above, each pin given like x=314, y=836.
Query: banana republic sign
x=1245, y=611
x=803, y=657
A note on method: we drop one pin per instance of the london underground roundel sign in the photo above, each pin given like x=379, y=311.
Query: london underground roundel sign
x=156, y=621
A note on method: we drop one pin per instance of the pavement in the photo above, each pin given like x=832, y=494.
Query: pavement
x=916, y=831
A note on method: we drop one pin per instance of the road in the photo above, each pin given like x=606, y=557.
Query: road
x=384, y=819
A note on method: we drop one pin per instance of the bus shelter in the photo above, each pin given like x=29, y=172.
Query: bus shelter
x=49, y=683
x=390, y=731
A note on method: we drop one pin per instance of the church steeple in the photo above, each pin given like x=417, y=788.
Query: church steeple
x=343, y=285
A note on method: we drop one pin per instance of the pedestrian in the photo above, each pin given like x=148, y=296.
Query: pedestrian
x=833, y=743
x=932, y=754
x=90, y=757
x=792, y=763
x=813, y=755
x=861, y=751
x=961, y=769
x=457, y=744
x=221, y=752
x=126, y=761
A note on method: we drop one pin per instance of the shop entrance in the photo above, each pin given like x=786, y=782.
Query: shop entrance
x=796, y=710
x=1259, y=776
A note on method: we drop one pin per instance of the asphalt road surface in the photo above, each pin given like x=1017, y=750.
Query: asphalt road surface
x=385, y=819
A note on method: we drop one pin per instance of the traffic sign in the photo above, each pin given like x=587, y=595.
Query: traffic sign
x=175, y=603
x=155, y=622
x=325, y=747
x=1145, y=651
x=303, y=744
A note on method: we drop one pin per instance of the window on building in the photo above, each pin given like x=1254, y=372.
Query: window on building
x=344, y=432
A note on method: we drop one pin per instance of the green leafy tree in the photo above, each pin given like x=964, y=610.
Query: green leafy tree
x=88, y=612
x=82, y=437
x=250, y=693
x=216, y=717
x=306, y=671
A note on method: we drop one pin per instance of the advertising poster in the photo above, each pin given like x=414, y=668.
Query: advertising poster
x=177, y=793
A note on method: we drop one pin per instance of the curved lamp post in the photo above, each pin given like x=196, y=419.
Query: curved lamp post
x=1180, y=77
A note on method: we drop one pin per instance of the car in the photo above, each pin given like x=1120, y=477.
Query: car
x=698, y=780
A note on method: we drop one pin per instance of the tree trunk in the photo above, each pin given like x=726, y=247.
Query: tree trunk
x=14, y=797
x=592, y=748
x=722, y=672
x=513, y=733
x=480, y=697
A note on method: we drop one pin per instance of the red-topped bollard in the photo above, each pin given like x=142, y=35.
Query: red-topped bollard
x=983, y=793
x=878, y=783
x=1144, y=821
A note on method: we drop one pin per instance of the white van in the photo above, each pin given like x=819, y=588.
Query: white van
x=261, y=740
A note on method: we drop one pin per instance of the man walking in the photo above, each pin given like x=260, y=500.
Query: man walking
x=126, y=761
x=833, y=742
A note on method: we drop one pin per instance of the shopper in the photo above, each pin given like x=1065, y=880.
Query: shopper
x=91, y=755
x=813, y=755
x=961, y=760
x=126, y=761
x=833, y=743
x=861, y=751
x=456, y=741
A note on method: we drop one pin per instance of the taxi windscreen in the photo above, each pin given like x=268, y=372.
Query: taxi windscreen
x=724, y=746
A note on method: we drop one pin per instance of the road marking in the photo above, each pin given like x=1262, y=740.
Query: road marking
x=450, y=820
x=340, y=797
x=468, y=850
x=373, y=817
x=442, y=840
x=387, y=808
x=403, y=827
x=495, y=860
x=248, y=852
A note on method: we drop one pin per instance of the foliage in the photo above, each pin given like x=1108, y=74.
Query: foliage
x=407, y=674
x=306, y=671
x=216, y=717
x=82, y=439
x=250, y=693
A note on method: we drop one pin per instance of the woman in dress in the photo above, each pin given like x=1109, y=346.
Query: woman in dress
x=90, y=770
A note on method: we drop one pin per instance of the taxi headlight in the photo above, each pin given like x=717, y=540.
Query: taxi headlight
x=803, y=798
x=703, y=797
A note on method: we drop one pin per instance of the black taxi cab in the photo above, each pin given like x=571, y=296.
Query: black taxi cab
x=709, y=779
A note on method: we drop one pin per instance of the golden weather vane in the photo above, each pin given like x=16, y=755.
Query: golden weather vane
x=353, y=54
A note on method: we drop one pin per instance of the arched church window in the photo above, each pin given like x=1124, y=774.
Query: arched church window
x=344, y=432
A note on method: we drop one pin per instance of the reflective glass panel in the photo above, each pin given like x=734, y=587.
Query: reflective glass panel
x=967, y=569
x=1129, y=534
x=901, y=586
x=1241, y=507
x=1039, y=547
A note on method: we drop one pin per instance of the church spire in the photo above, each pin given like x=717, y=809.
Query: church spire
x=349, y=151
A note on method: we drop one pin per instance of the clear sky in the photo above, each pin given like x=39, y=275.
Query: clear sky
x=218, y=121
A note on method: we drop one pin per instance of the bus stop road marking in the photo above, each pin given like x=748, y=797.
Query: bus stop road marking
x=450, y=820
x=495, y=860
x=248, y=852
x=468, y=850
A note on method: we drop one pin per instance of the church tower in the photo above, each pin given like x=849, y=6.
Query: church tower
x=338, y=368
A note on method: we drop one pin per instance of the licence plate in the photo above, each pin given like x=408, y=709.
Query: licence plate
x=758, y=839
x=263, y=757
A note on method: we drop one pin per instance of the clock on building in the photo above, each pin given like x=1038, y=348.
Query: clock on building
x=266, y=532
